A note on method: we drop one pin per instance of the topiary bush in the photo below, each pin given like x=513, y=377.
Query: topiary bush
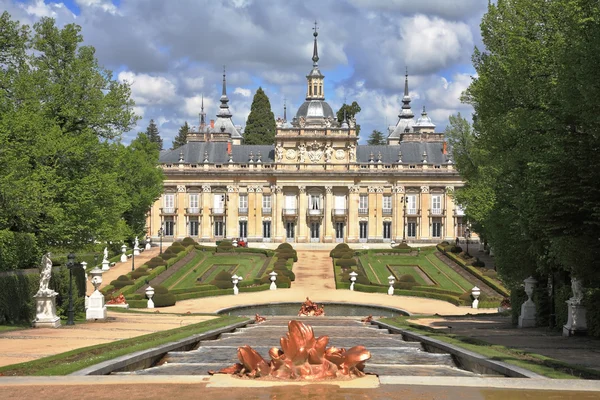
x=285, y=246
x=345, y=263
x=122, y=281
x=225, y=246
x=465, y=299
x=188, y=241
x=167, y=256
x=456, y=249
x=347, y=255
x=138, y=273
x=222, y=280
x=478, y=263
x=403, y=246
x=407, y=278
x=162, y=297
x=490, y=273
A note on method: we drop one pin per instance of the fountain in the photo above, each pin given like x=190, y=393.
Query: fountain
x=301, y=357
x=310, y=309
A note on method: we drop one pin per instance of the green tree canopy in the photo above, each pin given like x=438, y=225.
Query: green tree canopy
x=181, y=138
x=376, y=138
x=351, y=111
x=153, y=134
x=260, y=127
x=61, y=118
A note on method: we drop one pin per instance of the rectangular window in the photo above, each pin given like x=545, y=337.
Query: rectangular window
x=363, y=204
x=436, y=229
x=169, y=226
x=364, y=233
x=411, y=204
x=169, y=203
x=243, y=229
x=387, y=205
x=266, y=229
x=218, y=204
x=290, y=229
x=387, y=230
x=315, y=229
x=411, y=228
x=219, y=228
x=436, y=204
x=243, y=204
x=194, y=200
x=193, y=224
x=290, y=205
x=266, y=203
x=339, y=231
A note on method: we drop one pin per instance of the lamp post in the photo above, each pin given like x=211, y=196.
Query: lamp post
x=133, y=258
x=70, y=266
x=161, y=232
x=467, y=236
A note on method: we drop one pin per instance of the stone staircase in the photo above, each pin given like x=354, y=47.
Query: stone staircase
x=390, y=354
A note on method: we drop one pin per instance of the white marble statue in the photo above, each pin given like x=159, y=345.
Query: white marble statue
x=137, y=243
x=279, y=152
x=352, y=152
x=301, y=153
x=105, y=254
x=45, y=275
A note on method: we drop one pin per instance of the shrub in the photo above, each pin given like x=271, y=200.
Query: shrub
x=162, y=297
x=225, y=246
x=167, y=256
x=138, y=273
x=345, y=263
x=403, y=246
x=466, y=299
x=188, y=241
x=347, y=256
x=591, y=300
x=18, y=250
x=456, y=249
x=405, y=285
x=178, y=244
x=478, y=263
x=222, y=280
x=444, y=243
x=122, y=281
x=407, y=278
x=285, y=246
x=490, y=273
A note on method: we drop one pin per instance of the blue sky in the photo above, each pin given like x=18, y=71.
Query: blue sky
x=173, y=52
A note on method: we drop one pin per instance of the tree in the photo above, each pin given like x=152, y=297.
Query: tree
x=153, y=135
x=61, y=118
x=351, y=111
x=181, y=138
x=260, y=126
x=376, y=138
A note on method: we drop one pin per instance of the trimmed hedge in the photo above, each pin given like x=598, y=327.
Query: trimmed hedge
x=346, y=263
x=162, y=297
x=122, y=281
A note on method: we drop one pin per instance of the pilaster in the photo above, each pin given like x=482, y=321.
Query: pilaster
x=449, y=206
x=232, y=217
x=206, y=232
x=279, y=232
x=353, y=213
x=328, y=216
x=180, y=218
x=303, y=206
x=425, y=205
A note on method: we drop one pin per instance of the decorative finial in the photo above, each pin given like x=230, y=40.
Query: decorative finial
x=406, y=83
x=315, y=56
x=181, y=156
x=284, y=109
x=224, y=93
x=202, y=114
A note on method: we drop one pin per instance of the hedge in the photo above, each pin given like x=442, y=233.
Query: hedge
x=221, y=292
x=162, y=297
x=18, y=250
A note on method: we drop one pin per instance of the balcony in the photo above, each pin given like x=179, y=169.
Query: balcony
x=243, y=211
x=168, y=211
x=386, y=211
x=267, y=210
x=193, y=211
x=218, y=211
x=339, y=212
x=412, y=211
x=363, y=211
x=290, y=212
x=314, y=212
x=436, y=211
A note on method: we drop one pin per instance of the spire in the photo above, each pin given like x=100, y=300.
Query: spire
x=284, y=110
x=406, y=112
x=224, y=108
x=202, y=114
x=315, y=56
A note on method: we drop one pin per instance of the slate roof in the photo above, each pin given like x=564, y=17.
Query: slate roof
x=412, y=153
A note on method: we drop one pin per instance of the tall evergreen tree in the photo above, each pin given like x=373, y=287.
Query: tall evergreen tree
x=351, y=111
x=181, y=137
x=153, y=135
x=376, y=138
x=260, y=127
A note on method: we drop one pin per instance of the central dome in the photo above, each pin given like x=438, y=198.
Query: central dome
x=315, y=109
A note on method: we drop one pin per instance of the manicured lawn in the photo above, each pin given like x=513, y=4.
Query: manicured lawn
x=375, y=266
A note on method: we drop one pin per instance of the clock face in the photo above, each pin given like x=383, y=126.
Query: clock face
x=290, y=154
x=340, y=154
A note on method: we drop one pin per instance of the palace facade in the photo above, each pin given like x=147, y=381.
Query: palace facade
x=316, y=184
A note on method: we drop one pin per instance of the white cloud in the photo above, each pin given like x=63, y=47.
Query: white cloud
x=104, y=5
x=195, y=84
x=146, y=89
x=243, y=92
x=39, y=9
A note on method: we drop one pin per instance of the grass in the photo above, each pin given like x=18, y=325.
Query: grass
x=74, y=360
x=537, y=363
x=17, y=327
x=400, y=270
x=186, y=269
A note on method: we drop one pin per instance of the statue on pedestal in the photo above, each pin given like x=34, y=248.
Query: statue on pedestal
x=45, y=275
x=105, y=254
x=46, y=298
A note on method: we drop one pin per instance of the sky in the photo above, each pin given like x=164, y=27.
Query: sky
x=173, y=52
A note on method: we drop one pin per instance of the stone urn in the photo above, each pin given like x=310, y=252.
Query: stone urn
x=235, y=279
x=124, y=253
x=528, y=311
x=353, y=276
x=273, y=278
x=391, y=280
x=475, y=292
x=96, y=308
x=150, y=294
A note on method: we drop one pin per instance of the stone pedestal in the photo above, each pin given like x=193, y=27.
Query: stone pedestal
x=96, y=308
x=123, y=253
x=148, y=245
x=105, y=265
x=46, y=311
x=576, y=324
x=136, y=251
x=527, y=317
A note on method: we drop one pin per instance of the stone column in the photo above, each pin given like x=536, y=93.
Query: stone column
x=353, y=213
x=398, y=213
x=449, y=221
x=206, y=232
x=328, y=216
x=277, y=215
x=302, y=207
x=231, y=217
x=180, y=218
x=425, y=205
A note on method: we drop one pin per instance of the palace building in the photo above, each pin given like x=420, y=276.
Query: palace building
x=315, y=184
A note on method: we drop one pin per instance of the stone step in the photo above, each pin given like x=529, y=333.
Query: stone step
x=312, y=321
x=337, y=341
x=331, y=331
x=379, y=355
